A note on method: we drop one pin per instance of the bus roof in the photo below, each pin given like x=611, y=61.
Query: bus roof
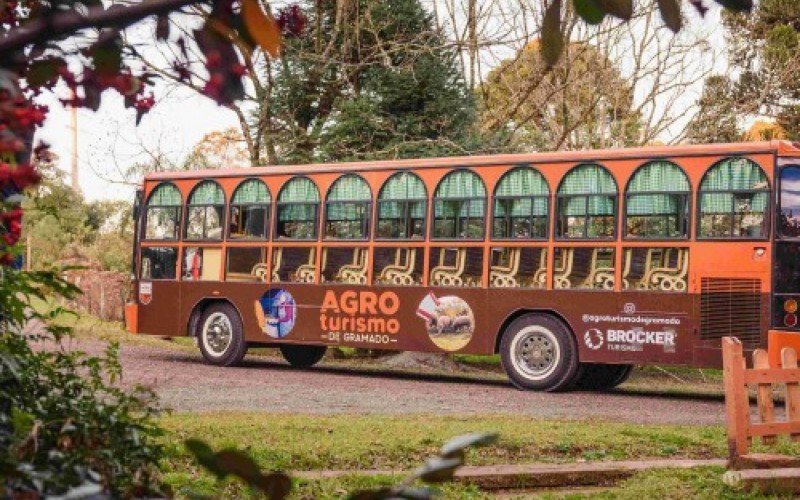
x=778, y=147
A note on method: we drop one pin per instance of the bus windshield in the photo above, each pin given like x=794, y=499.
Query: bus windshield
x=789, y=223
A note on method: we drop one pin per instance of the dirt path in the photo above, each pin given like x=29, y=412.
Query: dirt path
x=186, y=383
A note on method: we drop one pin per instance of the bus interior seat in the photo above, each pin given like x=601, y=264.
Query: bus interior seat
x=449, y=275
x=563, y=268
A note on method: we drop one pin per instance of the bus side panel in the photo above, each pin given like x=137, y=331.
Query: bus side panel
x=609, y=327
x=158, y=306
x=390, y=318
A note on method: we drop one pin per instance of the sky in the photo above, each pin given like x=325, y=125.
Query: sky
x=109, y=141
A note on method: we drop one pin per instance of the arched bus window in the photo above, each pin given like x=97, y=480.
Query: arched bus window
x=249, y=212
x=297, y=210
x=163, y=213
x=521, y=205
x=205, y=212
x=459, y=207
x=347, y=209
x=657, y=202
x=401, y=208
x=587, y=200
x=734, y=196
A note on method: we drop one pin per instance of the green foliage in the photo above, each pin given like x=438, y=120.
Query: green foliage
x=66, y=427
x=62, y=225
x=716, y=120
x=277, y=485
x=373, y=80
x=765, y=69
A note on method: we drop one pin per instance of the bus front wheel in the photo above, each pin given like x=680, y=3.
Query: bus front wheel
x=221, y=335
x=603, y=377
x=538, y=352
x=302, y=356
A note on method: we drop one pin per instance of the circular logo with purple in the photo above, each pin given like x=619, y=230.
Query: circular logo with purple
x=276, y=312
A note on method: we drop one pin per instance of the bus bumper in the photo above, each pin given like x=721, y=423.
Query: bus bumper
x=132, y=317
x=776, y=341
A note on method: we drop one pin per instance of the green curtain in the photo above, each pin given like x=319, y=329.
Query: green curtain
x=521, y=207
x=524, y=181
x=395, y=209
x=403, y=186
x=596, y=205
x=349, y=188
x=461, y=184
x=449, y=208
x=734, y=174
x=299, y=189
x=588, y=179
x=251, y=191
x=297, y=212
x=755, y=202
x=165, y=195
x=346, y=211
x=716, y=203
x=659, y=176
x=653, y=204
x=207, y=193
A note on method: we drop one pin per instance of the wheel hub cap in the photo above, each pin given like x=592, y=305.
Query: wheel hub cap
x=217, y=333
x=536, y=353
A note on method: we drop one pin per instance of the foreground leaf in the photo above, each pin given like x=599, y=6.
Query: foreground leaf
x=745, y=5
x=622, y=9
x=671, y=14
x=262, y=27
x=589, y=10
x=552, y=38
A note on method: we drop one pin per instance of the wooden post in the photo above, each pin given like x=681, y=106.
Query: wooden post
x=766, y=407
x=736, y=404
x=789, y=361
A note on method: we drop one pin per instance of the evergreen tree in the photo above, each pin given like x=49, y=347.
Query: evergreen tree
x=764, y=56
x=368, y=79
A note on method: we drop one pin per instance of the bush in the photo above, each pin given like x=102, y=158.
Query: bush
x=66, y=426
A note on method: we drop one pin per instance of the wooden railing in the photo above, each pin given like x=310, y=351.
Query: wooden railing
x=738, y=378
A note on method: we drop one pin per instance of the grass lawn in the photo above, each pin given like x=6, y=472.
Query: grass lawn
x=354, y=442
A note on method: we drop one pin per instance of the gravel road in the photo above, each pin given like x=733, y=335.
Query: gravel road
x=185, y=383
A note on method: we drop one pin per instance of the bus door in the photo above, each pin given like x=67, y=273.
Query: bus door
x=786, y=261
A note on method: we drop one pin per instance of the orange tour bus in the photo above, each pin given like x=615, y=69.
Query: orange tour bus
x=572, y=266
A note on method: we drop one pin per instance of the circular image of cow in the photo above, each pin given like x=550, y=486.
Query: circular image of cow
x=276, y=312
x=449, y=321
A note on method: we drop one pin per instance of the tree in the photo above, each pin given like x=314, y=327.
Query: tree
x=219, y=149
x=765, y=69
x=716, y=120
x=396, y=92
x=581, y=103
x=355, y=80
x=656, y=67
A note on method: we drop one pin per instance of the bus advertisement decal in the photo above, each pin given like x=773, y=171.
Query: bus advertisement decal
x=276, y=311
x=449, y=321
x=629, y=331
x=359, y=317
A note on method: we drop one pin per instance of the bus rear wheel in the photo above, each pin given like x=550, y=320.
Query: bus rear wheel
x=538, y=352
x=603, y=377
x=302, y=356
x=221, y=335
